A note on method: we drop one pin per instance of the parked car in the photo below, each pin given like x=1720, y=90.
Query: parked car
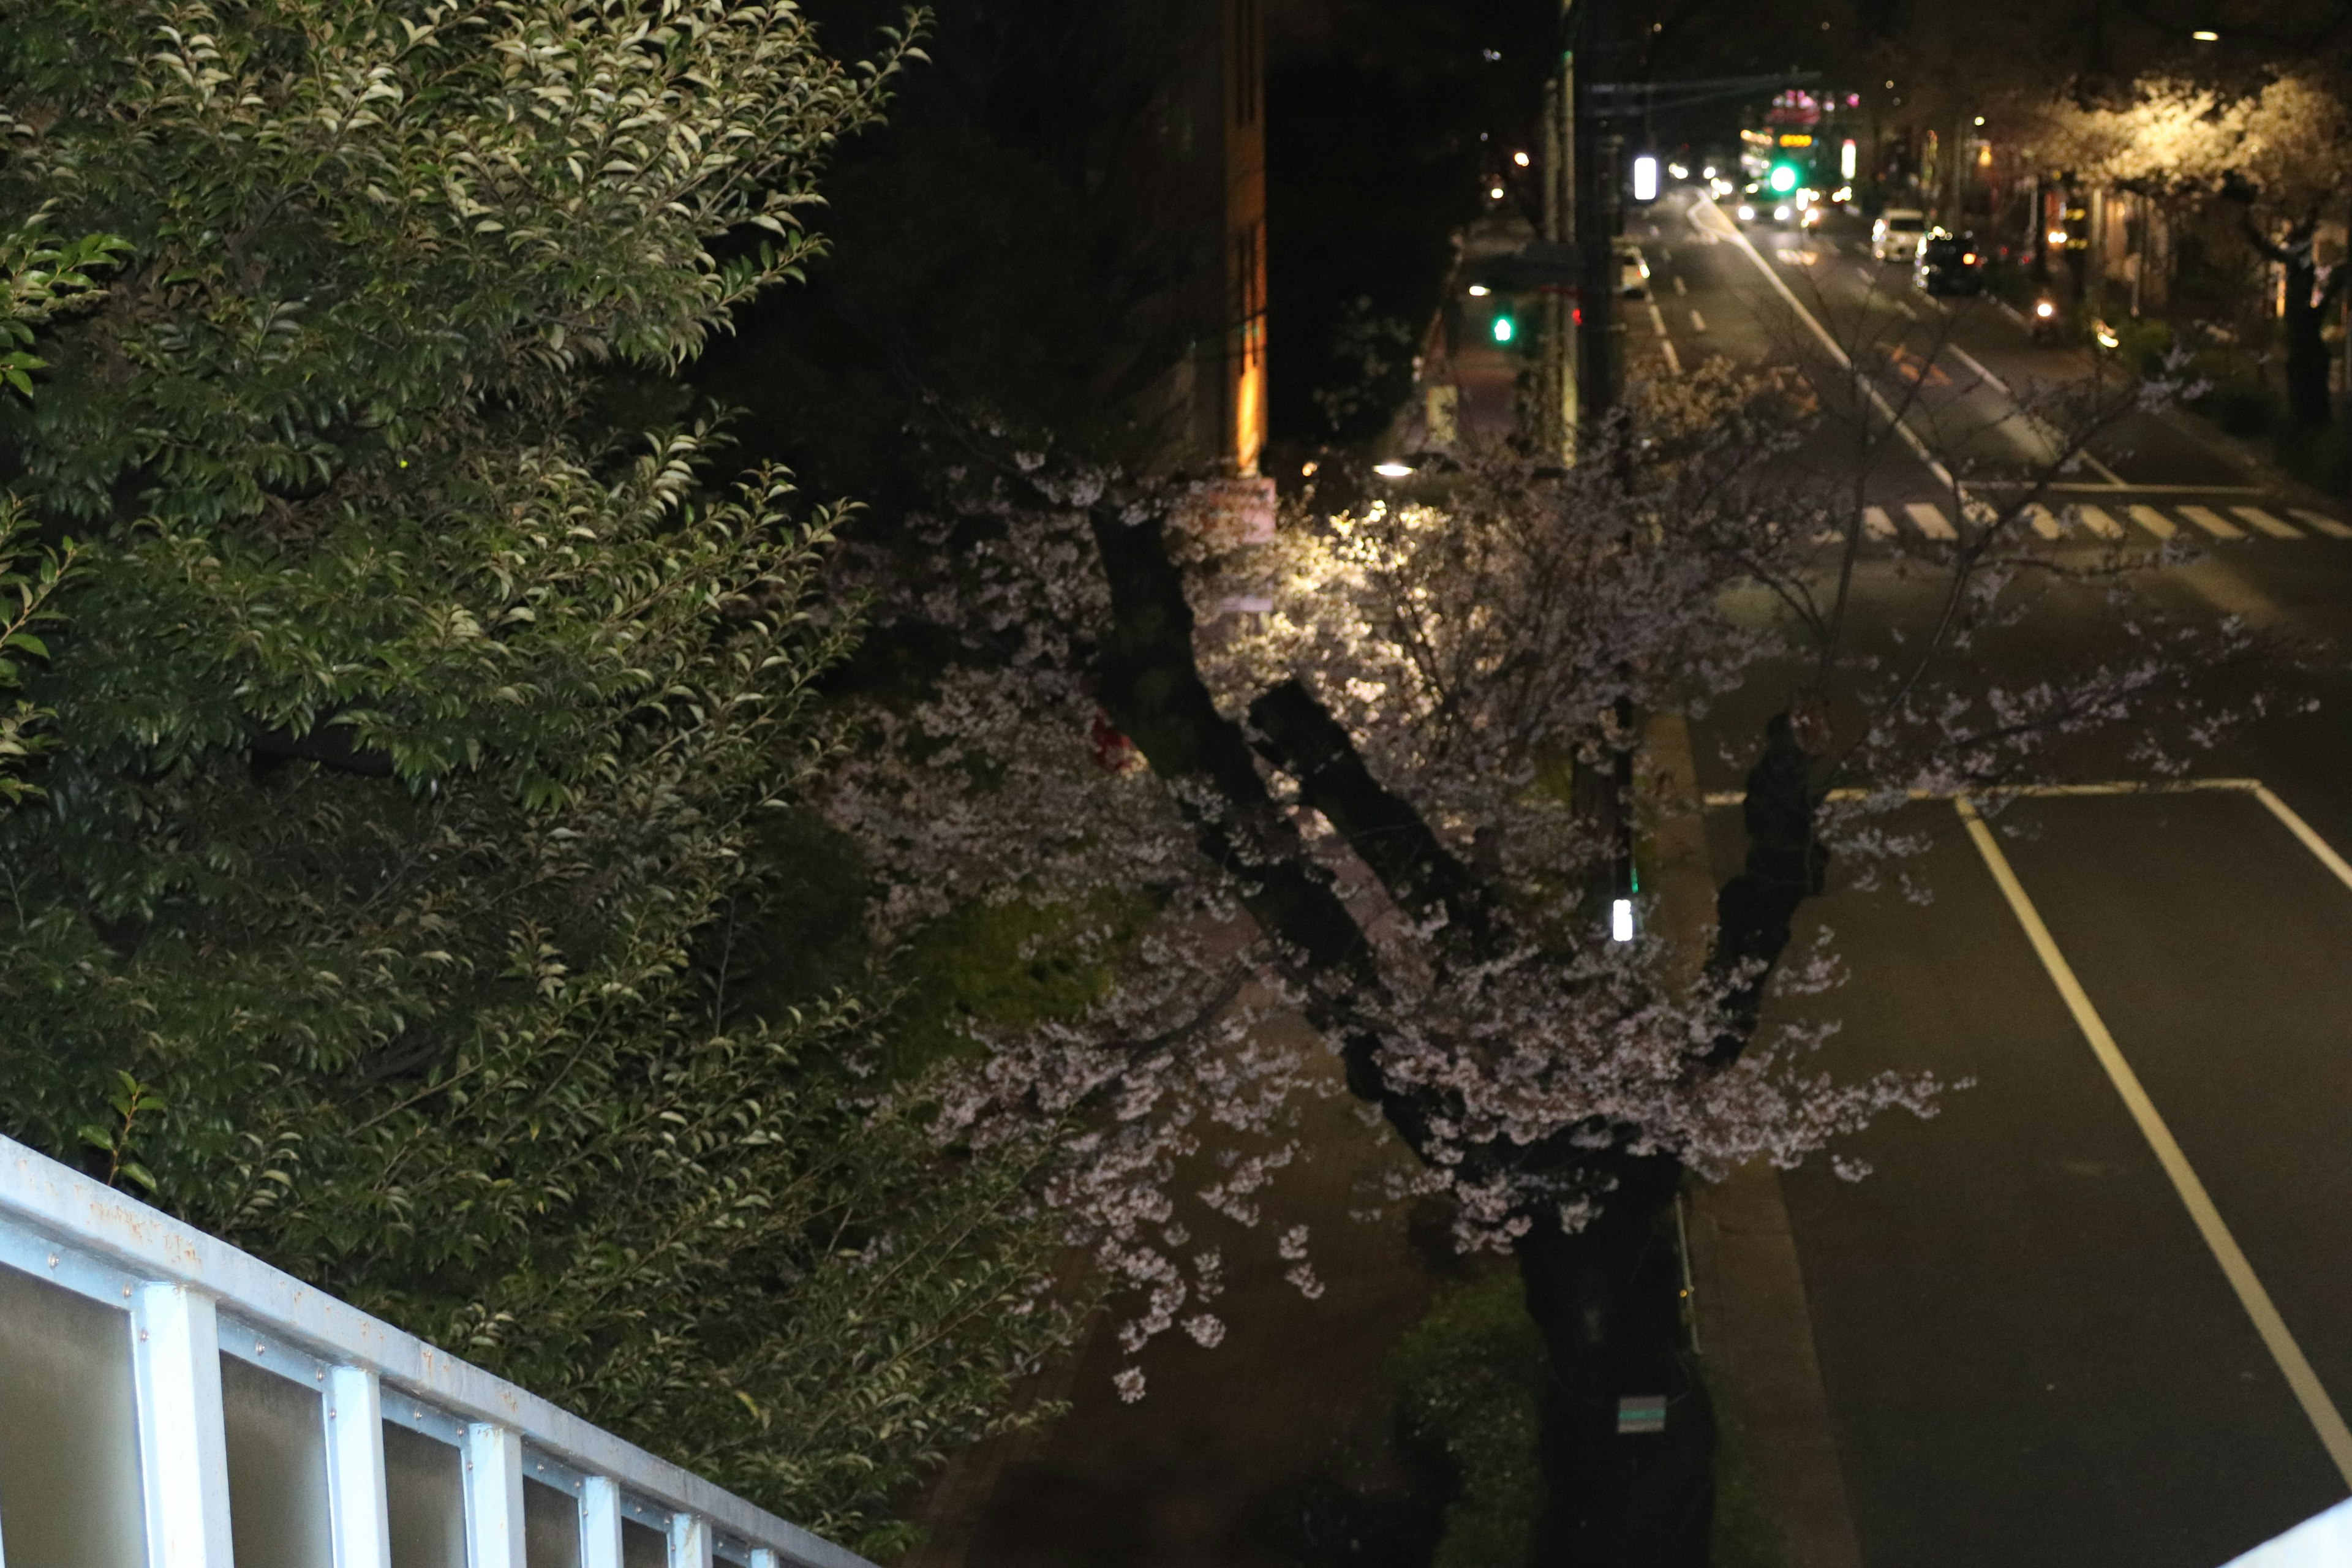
x=1949, y=264
x=1897, y=235
x=1632, y=270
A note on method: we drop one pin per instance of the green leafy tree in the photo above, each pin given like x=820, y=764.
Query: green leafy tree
x=418, y=709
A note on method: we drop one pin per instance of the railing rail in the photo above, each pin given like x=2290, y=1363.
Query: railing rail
x=187, y=1299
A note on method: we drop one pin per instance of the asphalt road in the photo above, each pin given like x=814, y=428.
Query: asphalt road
x=2034, y=1352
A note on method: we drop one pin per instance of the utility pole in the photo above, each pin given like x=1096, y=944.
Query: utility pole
x=1597, y=216
x=1557, y=403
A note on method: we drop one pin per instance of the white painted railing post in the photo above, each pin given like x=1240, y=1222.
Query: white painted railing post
x=183, y=1442
x=355, y=1487
x=765, y=1557
x=600, y=1523
x=689, y=1541
x=493, y=1458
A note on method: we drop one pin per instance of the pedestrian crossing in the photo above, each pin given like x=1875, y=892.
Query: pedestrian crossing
x=2143, y=521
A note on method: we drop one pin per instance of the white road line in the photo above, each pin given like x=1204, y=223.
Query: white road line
x=2155, y=521
x=2325, y=1420
x=1976, y=365
x=2045, y=522
x=2212, y=522
x=1931, y=519
x=1908, y=314
x=2325, y=524
x=1665, y=343
x=2303, y=830
x=1876, y=523
x=2033, y=792
x=2105, y=472
x=2277, y=528
x=2097, y=520
x=1681, y=287
x=1870, y=388
x=1698, y=322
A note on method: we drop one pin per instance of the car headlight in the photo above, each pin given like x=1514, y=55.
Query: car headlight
x=1746, y=211
x=1781, y=213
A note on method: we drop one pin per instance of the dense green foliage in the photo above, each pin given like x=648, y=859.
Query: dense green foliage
x=1468, y=1377
x=417, y=716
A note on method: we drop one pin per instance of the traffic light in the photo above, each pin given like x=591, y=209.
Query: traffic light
x=1505, y=327
x=1784, y=178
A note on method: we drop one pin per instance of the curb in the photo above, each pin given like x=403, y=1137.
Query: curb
x=1747, y=1287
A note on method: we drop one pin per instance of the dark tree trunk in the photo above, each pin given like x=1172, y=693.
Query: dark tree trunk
x=1608, y=1301
x=2306, y=312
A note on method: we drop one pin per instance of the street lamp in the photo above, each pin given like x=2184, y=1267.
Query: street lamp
x=2205, y=35
x=1392, y=470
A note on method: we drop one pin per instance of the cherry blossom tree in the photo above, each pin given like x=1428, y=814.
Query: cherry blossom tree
x=1382, y=803
x=2279, y=154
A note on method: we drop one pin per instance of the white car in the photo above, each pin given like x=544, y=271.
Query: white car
x=1897, y=235
x=1633, y=271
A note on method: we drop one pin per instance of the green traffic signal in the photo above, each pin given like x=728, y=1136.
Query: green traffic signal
x=1784, y=178
x=1504, y=329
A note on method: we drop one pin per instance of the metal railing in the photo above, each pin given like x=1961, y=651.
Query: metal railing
x=167, y=1401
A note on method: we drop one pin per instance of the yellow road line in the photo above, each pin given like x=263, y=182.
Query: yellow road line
x=2321, y=1411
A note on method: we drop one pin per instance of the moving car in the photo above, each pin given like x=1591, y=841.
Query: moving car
x=1949, y=264
x=1897, y=235
x=1759, y=204
x=1632, y=270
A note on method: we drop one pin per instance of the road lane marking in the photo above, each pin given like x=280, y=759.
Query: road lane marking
x=2045, y=522
x=1665, y=343
x=2105, y=472
x=1976, y=365
x=2319, y=846
x=1870, y=388
x=2277, y=528
x=2212, y=522
x=2325, y=524
x=1876, y=523
x=1931, y=519
x=2097, y=520
x=2155, y=521
x=2029, y=792
x=1698, y=322
x=2325, y=1419
x=1681, y=287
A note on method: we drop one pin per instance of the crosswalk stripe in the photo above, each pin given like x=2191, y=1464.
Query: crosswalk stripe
x=2097, y=520
x=2275, y=527
x=2045, y=523
x=1931, y=519
x=1876, y=523
x=2325, y=524
x=2155, y=521
x=2212, y=522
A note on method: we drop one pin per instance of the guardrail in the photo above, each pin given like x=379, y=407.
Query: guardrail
x=167, y=1401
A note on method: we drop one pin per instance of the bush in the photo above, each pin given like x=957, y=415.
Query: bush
x=1467, y=1377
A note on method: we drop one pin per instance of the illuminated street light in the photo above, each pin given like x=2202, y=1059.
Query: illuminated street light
x=2056, y=236
x=1979, y=119
x=1392, y=470
x=1479, y=290
x=1520, y=159
x=1646, y=178
x=2203, y=37
x=1621, y=920
x=1495, y=193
